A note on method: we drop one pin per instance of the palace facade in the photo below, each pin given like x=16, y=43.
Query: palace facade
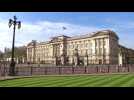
x=101, y=47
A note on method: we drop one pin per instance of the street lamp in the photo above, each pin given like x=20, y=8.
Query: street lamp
x=13, y=22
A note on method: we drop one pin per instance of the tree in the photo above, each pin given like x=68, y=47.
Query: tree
x=1, y=55
x=18, y=51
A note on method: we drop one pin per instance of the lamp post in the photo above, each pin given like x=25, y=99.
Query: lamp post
x=13, y=22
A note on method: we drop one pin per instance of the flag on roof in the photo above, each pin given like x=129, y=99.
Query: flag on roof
x=64, y=28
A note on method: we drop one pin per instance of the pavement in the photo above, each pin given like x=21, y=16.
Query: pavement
x=5, y=77
x=9, y=77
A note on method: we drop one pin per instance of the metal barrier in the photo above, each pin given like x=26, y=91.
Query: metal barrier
x=60, y=70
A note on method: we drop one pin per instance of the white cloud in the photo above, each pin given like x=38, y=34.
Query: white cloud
x=44, y=30
x=40, y=31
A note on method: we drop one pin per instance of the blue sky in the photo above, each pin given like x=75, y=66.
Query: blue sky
x=43, y=25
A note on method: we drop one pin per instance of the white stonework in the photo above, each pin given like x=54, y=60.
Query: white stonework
x=102, y=47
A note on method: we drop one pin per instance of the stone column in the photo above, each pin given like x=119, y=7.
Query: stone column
x=55, y=61
x=85, y=61
x=71, y=60
x=75, y=60
x=75, y=57
x=23, y=60
x=62, y=60
x=86, y=58
x=28, y=55
x=17, y=60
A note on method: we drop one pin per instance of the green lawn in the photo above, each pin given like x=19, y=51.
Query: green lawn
x=120, y=80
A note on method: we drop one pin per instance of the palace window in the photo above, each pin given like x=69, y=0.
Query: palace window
x=89, y=51
x=100, y=51
x=104, y=42
x=72, y=46
x=104, y=51
x=78, y=45
x=100, y=42
x=91, y=44
x=95, y=51
x=81, y=45
x=95, y=43
x=68, y=46
x=86, y=45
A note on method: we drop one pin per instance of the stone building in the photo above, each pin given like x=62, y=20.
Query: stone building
x=126, y=56
x=101, y=47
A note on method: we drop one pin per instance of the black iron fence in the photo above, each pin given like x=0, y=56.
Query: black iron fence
x=28, y=70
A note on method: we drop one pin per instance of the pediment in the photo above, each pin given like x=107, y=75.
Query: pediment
x=105, y=32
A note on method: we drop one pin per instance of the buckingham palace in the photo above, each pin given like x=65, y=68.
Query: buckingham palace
x=101, y=47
